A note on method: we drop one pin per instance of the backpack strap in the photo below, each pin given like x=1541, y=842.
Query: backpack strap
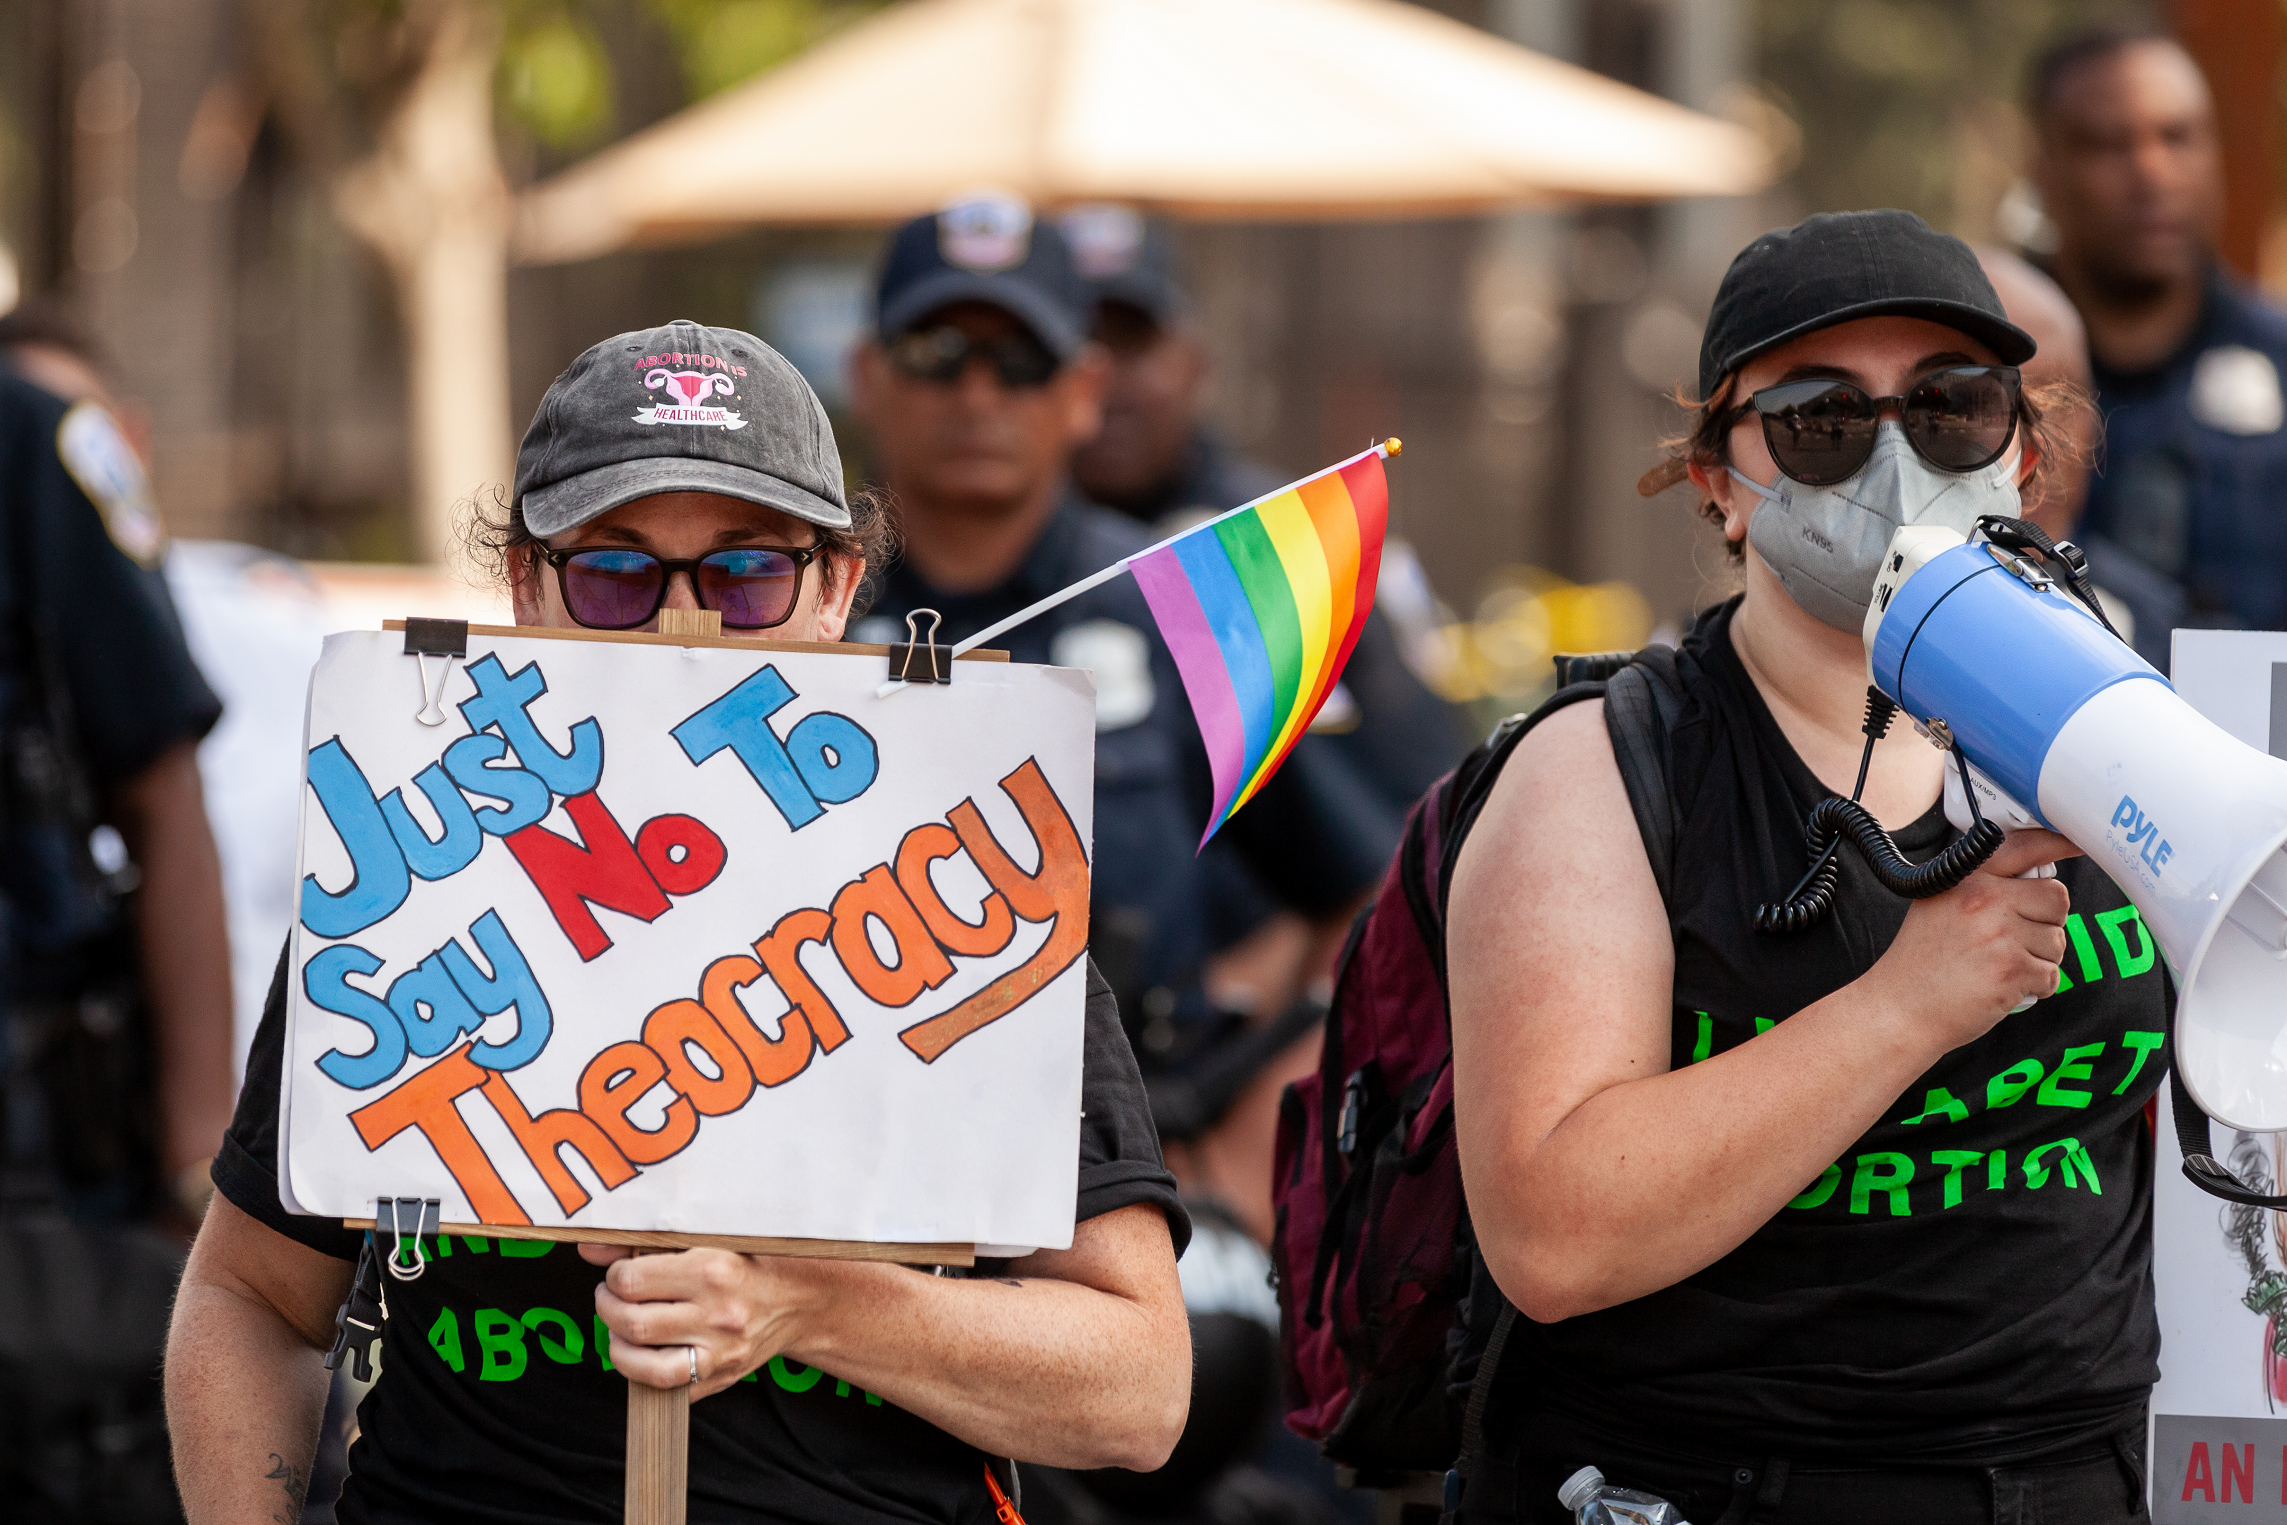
x=1641, y=705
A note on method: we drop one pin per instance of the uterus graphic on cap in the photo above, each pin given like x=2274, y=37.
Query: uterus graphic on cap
x=688, y=392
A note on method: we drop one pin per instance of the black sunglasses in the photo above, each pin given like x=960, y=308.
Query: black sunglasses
x=1821, y=431
x=753, y=587
x=941, y=354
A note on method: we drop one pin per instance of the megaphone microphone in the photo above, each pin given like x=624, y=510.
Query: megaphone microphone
x=2057, y=723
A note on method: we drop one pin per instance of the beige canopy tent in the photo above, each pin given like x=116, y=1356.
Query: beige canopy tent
x=1261, y=109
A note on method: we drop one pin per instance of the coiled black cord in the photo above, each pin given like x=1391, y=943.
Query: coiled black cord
x=1834, y=821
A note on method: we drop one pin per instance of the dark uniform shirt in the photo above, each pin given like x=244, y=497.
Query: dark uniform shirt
x=1315, y=837
x=96, y=684
x=2187, y=518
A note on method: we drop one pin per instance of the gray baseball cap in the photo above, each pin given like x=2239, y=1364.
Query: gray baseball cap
x=680, y=408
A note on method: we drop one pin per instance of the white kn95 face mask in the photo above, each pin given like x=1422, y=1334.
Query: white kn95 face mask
x=1827, y=543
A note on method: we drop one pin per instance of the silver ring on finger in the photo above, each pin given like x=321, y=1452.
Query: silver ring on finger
x=693, y=1352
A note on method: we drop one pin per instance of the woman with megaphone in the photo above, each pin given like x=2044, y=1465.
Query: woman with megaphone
x=1822, y=1222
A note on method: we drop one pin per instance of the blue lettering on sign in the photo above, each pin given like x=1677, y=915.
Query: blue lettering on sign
x=431, y=1005
x=826, y=759
x=500, y=704
x=467, y=762
x=510, y=985
x=2142, y=828
x=324, y=980
x=450, y=852
x=379, y=880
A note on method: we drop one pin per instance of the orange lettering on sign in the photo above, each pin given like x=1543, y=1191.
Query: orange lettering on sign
x=780, y=950
x=1057, y=891
x=543, y=1139
x=774, y=1061
x=924, y=845
x=614, y=1081
x=921, y=964
x=426, y=1102
x=686, y=1021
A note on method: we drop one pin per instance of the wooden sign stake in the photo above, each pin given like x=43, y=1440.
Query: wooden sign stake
x=658, y=1454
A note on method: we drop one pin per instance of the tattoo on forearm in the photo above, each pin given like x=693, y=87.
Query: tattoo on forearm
x=294, y=1481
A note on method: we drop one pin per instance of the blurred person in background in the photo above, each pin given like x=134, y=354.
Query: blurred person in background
x=2182, y=522
x=979, y=385
x=2039, y=306
x=115, y=1079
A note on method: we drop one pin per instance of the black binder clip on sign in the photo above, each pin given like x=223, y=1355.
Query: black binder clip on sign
x=435, y=638
x=919, y=660
x=398, y=1226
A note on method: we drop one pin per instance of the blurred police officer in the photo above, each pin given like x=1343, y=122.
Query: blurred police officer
x=2183, y=522
x=978, y=386
x=114, y=961
x=980, y=383
x=1157, y=460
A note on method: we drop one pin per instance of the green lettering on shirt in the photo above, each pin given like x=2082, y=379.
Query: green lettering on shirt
x=603, y=1343
x=2070, y=1154
x=1705, y=1044
x=523, y=1249
x=477, y=1246
x=2073, y=1066
x=445, y=1340
x=2144, y=1044
x=1940, y=1102
x=2111, y=923
x=1955, y=1161
x=784, y=1374
x=1820, y=1189
x=1764, y=1025
x=2004, y=1089
x=502, y=1340
x=1885, y=1171
x=2064, y=981
x=1996, y=1169
x=2077, y=930
x=564, y=1352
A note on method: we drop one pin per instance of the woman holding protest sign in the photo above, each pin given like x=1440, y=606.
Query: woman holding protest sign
x=833, y=1390
x=1806, y=1225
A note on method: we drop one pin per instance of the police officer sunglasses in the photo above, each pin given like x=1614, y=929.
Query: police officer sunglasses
x=1821, y=431
x=941, y=354
x=753, y=587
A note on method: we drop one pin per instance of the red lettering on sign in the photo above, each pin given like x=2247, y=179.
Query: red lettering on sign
x=2199, y=1474
x=2239, y=1467
x=606, y=871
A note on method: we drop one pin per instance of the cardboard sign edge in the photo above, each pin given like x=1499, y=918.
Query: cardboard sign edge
x=744, y=1244
x=728, y=642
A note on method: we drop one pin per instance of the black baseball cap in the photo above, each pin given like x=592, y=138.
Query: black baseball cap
x=985, y=248
x=1125, y=257
x=680, y=408
x=1838, y=266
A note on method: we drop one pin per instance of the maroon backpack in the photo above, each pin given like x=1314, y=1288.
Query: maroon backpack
x=1373, y=1251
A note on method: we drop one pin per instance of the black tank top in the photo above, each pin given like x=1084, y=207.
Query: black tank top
x=1971, y=1282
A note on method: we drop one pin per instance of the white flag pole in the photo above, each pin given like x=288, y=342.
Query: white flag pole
x=1386, y=449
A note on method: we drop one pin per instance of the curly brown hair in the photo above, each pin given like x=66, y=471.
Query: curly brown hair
x=1706, y=441
x=498, y=542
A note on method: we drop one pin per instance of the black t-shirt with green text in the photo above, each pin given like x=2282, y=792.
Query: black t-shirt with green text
x=497, y=1400
x=1970, y=1282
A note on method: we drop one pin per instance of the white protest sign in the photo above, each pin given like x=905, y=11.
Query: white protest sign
x=2219, y=1441
x=691, y=939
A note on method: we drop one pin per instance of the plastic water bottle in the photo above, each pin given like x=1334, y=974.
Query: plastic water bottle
x=1594, y=1501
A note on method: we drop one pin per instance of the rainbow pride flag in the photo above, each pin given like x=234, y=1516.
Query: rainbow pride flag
x=1261, y=608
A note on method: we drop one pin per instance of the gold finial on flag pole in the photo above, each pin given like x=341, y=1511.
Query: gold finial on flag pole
x=1393, y=447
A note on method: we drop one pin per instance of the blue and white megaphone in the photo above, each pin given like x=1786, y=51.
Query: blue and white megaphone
x=2063, y=726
